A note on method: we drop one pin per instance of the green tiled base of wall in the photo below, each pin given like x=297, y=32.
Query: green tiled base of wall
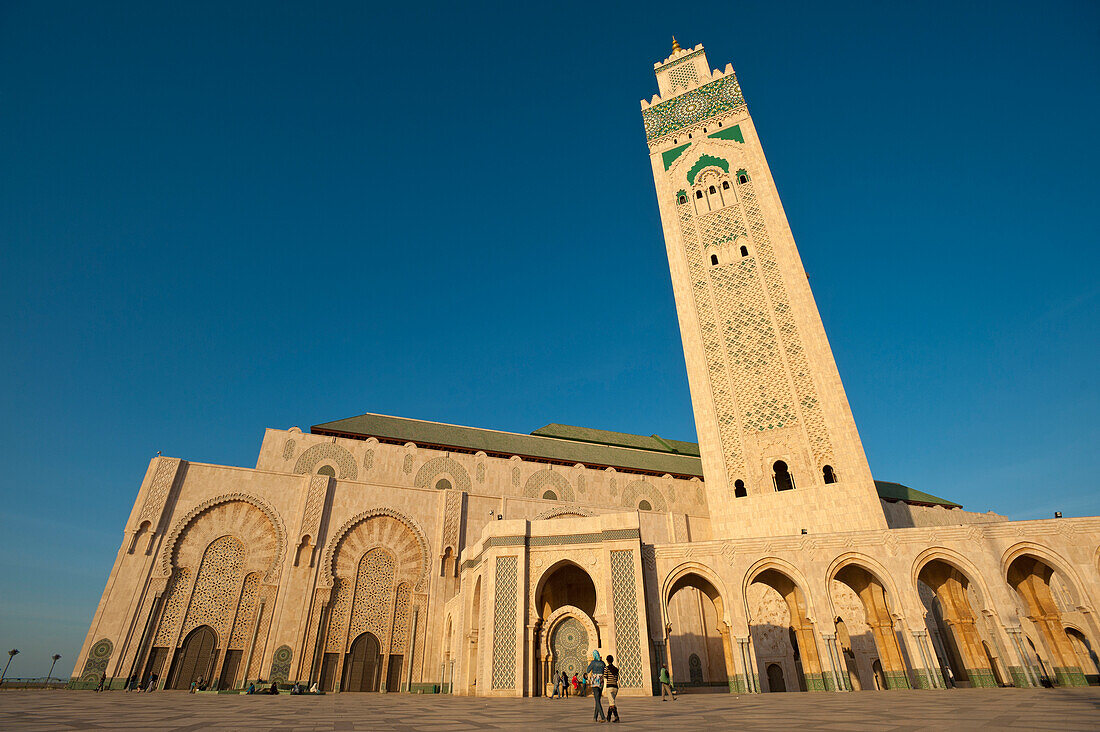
x=1069, y=676
x=424, y=688
x=815, y=682
x=981, y=677
x=924, y=681
x=897, y=680
x=830, y=682
x=1019, y=676
x=737, y=684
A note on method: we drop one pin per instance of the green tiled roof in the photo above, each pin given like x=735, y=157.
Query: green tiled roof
x=627, y=452
x=899, y=492
x=565, y=444
x=618, y=439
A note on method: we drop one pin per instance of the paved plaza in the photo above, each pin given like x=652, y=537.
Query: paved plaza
x=1059, y=709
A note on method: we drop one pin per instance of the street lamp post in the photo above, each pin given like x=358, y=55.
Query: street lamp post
x=11, y=654
x=55, y=657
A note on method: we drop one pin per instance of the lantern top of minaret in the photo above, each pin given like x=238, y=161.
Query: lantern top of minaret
x=682, y=70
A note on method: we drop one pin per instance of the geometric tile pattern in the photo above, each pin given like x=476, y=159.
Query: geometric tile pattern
x=624, y=600
x=96, y=664
x=504, y=624
x=692, y=107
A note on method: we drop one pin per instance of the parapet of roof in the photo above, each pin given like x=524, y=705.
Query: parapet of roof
x=565, y=445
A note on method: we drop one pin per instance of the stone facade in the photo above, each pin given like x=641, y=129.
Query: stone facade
x=380, y=554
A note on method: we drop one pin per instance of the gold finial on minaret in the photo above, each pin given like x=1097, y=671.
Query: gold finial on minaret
x=675, y=45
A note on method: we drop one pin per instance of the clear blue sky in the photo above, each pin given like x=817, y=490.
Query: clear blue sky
x=219, y=219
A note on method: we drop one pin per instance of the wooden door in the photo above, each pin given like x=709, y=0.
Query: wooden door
x=229, y=670
x=393, y=675
x=363, y=665
x=197, y=657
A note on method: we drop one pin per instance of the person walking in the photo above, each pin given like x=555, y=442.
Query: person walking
x=153, y=682
x=564, y=684
x=102, y=681
x=666, y=684
x=132, y=683
x=557, y=686
x=594, y=674
x=611, y=685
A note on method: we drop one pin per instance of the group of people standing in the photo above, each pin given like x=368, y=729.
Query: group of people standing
x=598, y=676
x=132, y=683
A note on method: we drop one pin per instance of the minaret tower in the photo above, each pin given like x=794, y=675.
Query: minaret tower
x=779, y=445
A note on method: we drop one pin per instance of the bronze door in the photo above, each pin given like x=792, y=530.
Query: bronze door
x=363, y=665
x=195, y=657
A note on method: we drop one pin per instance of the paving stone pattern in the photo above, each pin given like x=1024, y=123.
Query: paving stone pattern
x=1020, y=709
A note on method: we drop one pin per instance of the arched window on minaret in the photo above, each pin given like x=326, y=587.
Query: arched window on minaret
x=829, y=474
x=744, y=251
x=714, y=259
x=784, y=481
x=739, y=490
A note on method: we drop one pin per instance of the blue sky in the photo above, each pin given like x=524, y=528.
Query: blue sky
x=221, y=217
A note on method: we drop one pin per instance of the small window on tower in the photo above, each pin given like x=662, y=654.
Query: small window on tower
x=712, y=190
x=698, y=194
x=683, y=199
x=784, y=481
x=742, y=178
x=714, y=259
x=739, y=489
x=725, y=185
x=829, y=474
x=689, y=135
x=744, y=251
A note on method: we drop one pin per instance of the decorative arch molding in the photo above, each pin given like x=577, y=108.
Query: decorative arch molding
x=872, y=567
x=682, y=570
x=328, y=451
x=559, y=512
x=562, y=613
x=171, y=545
x=1056, y=562
x=435, y=467
x=785, y=568
x=636, y=490
x=961, y=563
x=328, y=573
x=548, y=478
x=540, y=584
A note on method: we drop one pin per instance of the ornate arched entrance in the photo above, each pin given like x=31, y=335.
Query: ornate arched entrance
x=780, y=625
x=566, y=639
x=1031, y=577
x=569, y=648
x=697, y=626
x=363, y=666
x=951, y=618
x=195, y=658
x=872, y=597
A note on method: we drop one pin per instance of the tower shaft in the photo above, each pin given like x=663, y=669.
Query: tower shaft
x=779, y=444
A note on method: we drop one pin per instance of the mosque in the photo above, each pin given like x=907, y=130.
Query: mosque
x=382, y=554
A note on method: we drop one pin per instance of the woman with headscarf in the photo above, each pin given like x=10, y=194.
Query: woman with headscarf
x=595, y=673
